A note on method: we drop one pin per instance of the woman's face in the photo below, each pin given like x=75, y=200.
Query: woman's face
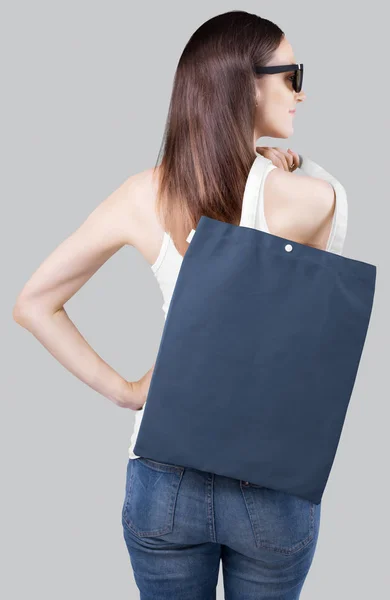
x=276, y=97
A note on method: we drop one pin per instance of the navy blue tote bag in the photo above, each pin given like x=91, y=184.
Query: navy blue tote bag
x=259, y=351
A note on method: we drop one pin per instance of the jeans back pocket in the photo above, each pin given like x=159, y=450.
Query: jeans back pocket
x=281, y=522
x=150, y=498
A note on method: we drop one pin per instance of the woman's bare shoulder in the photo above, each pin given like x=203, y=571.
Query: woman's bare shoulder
x=144, y=230
x=299, y=207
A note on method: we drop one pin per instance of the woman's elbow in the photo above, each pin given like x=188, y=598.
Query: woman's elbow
x=26, y=311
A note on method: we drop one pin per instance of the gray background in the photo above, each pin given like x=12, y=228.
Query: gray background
x=85, y=92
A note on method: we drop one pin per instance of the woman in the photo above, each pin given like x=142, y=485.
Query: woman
x=219, y=108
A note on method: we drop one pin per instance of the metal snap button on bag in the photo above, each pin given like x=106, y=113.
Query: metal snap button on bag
x=260, y=351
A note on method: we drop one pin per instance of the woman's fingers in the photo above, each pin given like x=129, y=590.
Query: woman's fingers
x=272, y=155
x=296, y=158
x=288, y=160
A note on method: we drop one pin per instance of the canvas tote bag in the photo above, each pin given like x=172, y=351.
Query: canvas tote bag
x=259, y=351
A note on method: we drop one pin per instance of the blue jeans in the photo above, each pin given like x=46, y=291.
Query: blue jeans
x=179, y=523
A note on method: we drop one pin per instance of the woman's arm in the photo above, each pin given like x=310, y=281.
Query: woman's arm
x=40, y=305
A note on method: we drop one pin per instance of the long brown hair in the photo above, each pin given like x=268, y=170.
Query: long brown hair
x=208, y=145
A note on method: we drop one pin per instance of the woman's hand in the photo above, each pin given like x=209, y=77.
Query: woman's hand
x=284, y=159
x=137, y=392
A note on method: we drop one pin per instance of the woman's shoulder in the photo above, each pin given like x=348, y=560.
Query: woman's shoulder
x=299, y=207
x=145, y=231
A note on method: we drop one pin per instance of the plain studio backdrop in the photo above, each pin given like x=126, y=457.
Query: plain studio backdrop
x=85, y=92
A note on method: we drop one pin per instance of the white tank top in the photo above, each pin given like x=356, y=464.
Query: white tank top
x=168, y=262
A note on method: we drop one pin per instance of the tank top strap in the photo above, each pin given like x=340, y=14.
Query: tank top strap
x=254, y=185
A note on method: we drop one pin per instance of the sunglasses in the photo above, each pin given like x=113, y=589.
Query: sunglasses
x=297, y=68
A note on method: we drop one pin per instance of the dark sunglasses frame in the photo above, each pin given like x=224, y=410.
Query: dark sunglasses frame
x=297, y=68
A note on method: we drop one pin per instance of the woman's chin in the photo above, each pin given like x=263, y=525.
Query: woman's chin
x=287, y=132
x=284, y=133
